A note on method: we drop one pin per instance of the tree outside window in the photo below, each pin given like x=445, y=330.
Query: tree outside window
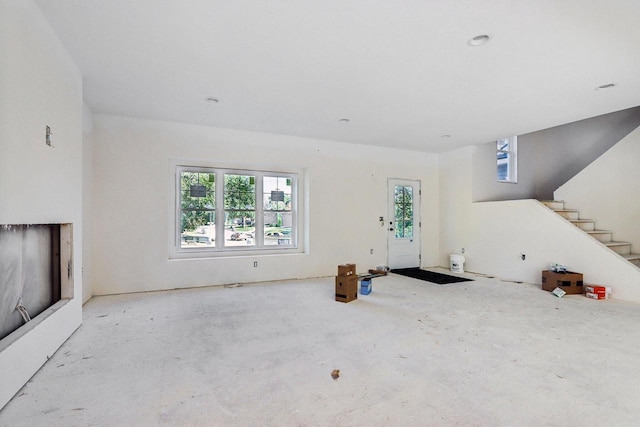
x=403, y=212
x=259, y=209
x=197, y=209
x=239, y=209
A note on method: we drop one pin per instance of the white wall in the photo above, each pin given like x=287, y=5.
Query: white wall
x=87, y=193
x=607, y=191
x=508, y=229
x=346, y=190
x=455, y=201
x=39, y=85
x=495, y=234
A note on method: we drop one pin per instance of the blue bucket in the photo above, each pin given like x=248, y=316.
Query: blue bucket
x=365, y=287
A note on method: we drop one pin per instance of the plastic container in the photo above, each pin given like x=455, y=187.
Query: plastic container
x=365, y=287
x=457, y=263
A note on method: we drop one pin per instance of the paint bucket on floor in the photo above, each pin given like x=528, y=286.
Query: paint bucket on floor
x=456, y=263
x=365, y=287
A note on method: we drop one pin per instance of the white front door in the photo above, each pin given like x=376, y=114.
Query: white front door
x=403, y=223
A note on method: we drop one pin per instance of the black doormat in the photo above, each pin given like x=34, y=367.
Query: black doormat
x=429, y=276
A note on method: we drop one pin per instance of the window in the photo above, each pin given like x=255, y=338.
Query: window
x=235, y=210
x=278, y=215
x=197, y=208
x=239, y=210
x=506, y=153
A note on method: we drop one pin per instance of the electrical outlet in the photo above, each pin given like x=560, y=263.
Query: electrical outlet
x=371, y=251
x=523, y=256
x=255, y=263
x=462, y=250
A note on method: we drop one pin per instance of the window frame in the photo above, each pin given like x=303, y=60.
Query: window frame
x=512, y=160
x=258, y=247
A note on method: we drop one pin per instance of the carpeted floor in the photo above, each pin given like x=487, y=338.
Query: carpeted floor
x=429, y=276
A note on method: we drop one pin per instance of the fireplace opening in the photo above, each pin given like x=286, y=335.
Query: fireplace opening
x=36, y=274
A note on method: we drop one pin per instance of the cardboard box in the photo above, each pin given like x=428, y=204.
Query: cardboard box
x=594, y=289
x=595, y=296
x=347, y=270
x=346, y=288
x=569, y=282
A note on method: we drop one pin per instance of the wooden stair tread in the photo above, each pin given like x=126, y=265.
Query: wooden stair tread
x=585, y=225
x=616, y=243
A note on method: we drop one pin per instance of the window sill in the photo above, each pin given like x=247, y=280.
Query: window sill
x=240, y=253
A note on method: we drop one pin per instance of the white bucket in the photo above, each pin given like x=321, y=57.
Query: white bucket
x=457, y=263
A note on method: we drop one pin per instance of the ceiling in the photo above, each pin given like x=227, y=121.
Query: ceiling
x=402, y=72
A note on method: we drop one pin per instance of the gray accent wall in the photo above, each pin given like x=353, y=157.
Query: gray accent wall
x=549, y=158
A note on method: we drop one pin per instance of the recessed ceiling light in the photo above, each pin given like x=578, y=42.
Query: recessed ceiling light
x=479, y=40
x=607, y=86
x=446, y=139
x=212, y=99
x=344, y=120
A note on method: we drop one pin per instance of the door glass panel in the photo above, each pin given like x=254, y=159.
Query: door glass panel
x=403, y=212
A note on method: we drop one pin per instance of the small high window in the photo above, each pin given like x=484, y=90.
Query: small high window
x=506, y=153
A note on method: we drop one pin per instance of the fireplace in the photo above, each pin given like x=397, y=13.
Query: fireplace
x=36, y=275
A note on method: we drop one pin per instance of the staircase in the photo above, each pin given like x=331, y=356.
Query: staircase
x=589, y=226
